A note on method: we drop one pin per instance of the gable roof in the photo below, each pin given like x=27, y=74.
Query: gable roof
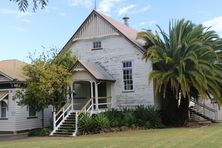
x=95, y=70
x=13, y=69
x=126, y=31
x=129, y=33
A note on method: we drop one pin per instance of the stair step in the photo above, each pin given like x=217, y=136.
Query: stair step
x=69, y=120
x=64, y=131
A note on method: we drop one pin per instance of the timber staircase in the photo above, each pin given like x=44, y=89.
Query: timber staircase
x=204, y=112
x=65, y=121
x=67, y=128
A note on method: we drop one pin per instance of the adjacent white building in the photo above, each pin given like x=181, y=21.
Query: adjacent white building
x=15, y=118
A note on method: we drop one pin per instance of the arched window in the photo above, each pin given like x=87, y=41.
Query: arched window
x=3, y=109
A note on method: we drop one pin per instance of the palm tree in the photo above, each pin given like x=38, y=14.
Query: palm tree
x=23, y=4
x=186, y=65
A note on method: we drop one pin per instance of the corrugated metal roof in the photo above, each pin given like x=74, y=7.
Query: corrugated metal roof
x=127, y=31
x=13, y=69
x=96, y=71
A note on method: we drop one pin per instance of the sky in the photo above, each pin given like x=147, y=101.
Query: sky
x=25, y=33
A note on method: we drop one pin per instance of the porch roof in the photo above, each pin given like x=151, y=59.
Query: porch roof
x=98, y=72
x=3, y=94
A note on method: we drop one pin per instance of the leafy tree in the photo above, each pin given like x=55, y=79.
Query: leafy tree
x=24, y=4
x=186, y=65
x=48, y=81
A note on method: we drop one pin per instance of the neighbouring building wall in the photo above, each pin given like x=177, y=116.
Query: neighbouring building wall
x=9, y=124
x=117, y=49
x=23, y=122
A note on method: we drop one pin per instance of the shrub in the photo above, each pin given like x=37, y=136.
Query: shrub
x=101, y=122
x=85, y=123
x=142, y=116
x=128, y=119
x=147, y=117
x=114, y=116
x=40, y=132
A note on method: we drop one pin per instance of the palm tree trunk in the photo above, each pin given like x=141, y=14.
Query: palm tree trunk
x=170, y=108
x=183, y=111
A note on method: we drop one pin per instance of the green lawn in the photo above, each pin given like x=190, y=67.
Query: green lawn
x=172, y=137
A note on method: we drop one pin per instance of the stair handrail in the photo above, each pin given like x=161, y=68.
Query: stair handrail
x=65, y=112
x=205, y=106
x=86, y=108
x=61, y=109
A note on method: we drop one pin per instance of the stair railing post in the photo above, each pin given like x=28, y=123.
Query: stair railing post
x=63, y=114
x=76, y=123
x=72, y=97
x=54, y=120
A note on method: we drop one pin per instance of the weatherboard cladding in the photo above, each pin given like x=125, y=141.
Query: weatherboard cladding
x=103, y=25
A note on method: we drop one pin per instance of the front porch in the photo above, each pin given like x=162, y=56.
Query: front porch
x=90, y=93
x=96, y=93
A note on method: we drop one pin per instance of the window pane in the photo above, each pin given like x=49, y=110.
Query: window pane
x=127, y=75
x=32, y=111
x=3, y=112
x=3, y=109
x=97, y=44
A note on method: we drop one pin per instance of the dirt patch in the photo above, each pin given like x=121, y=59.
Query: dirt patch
x=199, y=124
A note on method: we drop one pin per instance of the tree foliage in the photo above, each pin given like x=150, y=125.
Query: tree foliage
x=186, y=62
x=48, y=81
x=24, y=4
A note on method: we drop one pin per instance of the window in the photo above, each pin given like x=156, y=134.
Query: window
x=32, y=111
x=97, y=45
x=3, y=109
x=127, y=75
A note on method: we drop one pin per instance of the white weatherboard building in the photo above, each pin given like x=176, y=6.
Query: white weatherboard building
x=109, y=73
x=15, y=118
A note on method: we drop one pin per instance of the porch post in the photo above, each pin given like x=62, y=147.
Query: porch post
x=72, y=96
x=96, y=96
x=91, y=86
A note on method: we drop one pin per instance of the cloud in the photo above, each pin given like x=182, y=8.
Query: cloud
x=62, y=14
x=144, y=9
x=8, y=11
x=148, y=23
x=125, y=9
x=83, y=3
x=26, y=21
x=20, y=29
x=14, y=12
x=215, y=24
x=105, y=6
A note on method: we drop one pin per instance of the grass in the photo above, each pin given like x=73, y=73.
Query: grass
x=171, y=137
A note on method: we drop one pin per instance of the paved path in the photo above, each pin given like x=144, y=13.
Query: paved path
x=13, y=137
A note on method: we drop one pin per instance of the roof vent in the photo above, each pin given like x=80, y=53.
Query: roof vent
x=126, y=18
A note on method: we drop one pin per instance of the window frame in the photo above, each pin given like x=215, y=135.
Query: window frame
x=127, y=86
x=1, y=108
x=96, y=44
x=31, y=110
